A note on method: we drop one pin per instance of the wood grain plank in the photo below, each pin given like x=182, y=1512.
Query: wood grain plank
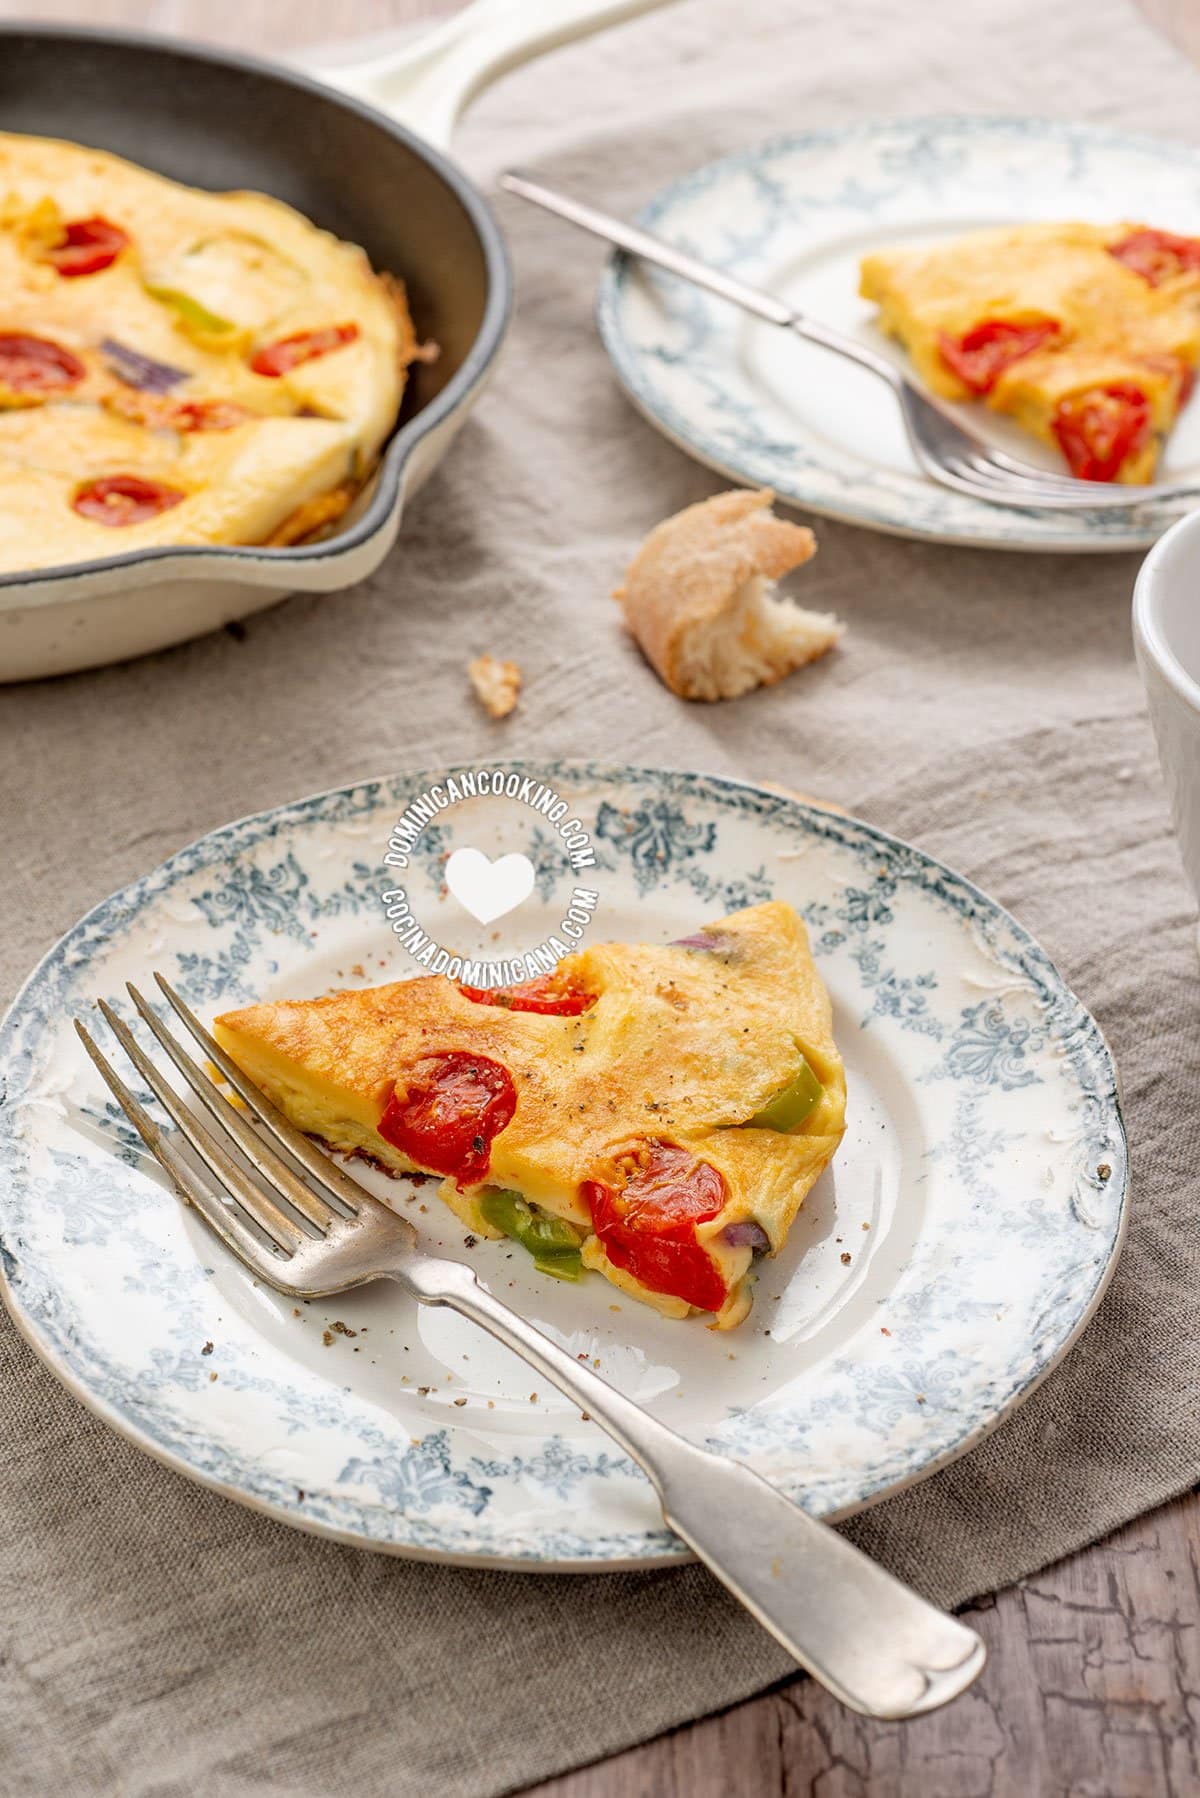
x=1092, y=1690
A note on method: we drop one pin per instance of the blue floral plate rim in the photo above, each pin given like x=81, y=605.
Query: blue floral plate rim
x=835, y=484
x=637, y=1548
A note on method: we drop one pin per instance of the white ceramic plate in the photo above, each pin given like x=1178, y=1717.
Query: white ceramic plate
x=938, y=1270
x=795, y=216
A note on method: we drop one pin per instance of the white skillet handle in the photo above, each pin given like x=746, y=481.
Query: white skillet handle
x=427, y=83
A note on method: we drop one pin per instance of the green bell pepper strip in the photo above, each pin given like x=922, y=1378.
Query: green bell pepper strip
x=791, y=1106
x=192, y=315
x=505, y=1211
x=566, y=1266
x=553, y=1243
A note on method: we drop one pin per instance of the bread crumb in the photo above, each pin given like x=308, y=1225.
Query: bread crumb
x=496, y=684
x=700, y=598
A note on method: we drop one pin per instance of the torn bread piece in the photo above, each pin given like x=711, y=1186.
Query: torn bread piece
x=497, y=684
x=699, y=597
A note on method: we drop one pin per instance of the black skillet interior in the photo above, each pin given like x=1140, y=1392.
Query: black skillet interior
x=217, y=120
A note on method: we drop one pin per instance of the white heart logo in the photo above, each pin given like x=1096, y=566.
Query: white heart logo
x=489, y=889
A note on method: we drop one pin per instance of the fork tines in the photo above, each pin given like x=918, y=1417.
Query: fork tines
x=275, y=1215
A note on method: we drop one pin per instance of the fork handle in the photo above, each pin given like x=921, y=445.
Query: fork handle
x=875, y=1644
x=714, y=280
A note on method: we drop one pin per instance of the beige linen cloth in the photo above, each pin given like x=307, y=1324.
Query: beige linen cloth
x=161, y=1640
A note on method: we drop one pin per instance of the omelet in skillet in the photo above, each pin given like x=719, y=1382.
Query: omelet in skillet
x=179, y=367
x=1087, y=335
x=657, y=1114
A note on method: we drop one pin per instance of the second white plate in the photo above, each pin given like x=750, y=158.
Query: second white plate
x=795, y=216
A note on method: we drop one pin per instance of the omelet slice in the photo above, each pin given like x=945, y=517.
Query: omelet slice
x=656, y=1113
x=1088, y=335
x=240, y=484
x=226, y=371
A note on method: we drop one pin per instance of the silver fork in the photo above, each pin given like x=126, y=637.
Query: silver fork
x=300, y=1222
x=945, y=450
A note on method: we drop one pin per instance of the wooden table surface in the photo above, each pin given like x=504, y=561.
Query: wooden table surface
x=1092, y=1689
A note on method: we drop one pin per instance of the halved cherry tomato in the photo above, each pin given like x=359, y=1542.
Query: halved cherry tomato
x=983, y=353
x=279, y=358
x=545, y=995
x=1099, y=428
x=36, y=365
x=1157, y=255
x=451, y=1109
x=87, y=246
x=120, y=499
x=648, y=1226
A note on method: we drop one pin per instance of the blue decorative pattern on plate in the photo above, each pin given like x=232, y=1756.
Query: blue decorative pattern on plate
x=937, y=1271
x=795, y=216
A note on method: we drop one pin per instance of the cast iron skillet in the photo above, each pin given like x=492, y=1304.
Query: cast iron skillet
x=217, y=120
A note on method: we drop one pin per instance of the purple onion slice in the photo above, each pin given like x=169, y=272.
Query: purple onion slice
x=746, y=1234
x=139, y=371
x=717, y=941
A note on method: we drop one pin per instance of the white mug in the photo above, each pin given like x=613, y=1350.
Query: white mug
x=1166, y=639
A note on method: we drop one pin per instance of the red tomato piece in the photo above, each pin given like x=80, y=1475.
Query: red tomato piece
x=545, y=995
x=1099, y=428
x=648, y=1226
x=207, y=415
x=120, y=499
x=279, y=358
x=87, y=246
x=36, y=365
x=452, y=1108
x=981, y=356
x=1157, y=255
x=159, y=412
